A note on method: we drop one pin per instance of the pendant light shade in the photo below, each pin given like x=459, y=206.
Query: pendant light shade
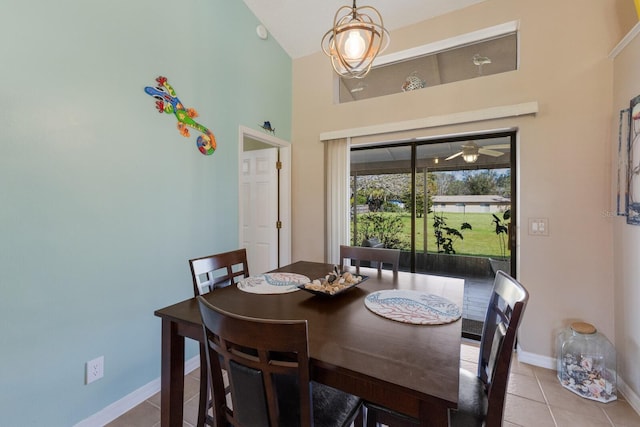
x=357, y=37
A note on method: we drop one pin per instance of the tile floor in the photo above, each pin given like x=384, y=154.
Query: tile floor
x=535, y=398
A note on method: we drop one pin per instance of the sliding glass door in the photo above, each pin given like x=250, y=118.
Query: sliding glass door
x=447, y=204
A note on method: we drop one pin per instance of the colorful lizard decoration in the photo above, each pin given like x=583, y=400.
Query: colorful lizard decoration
x=168, y=102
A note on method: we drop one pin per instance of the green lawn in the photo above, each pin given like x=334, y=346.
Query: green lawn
x=481, y=240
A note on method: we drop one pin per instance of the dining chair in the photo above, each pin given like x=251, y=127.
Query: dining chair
x=481, y=396
x=377, y=255
x=219, y=270
x=208, y=273
x=269, y=374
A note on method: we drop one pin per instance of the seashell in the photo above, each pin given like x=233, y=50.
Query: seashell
x=587, y=363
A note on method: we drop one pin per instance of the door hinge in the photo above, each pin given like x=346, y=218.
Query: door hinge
x=278, y=225
x=278, y=165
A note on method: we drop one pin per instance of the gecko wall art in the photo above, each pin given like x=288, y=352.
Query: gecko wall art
x=168, y=102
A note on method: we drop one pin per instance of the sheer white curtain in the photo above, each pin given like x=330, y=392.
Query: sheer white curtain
x=337, y=197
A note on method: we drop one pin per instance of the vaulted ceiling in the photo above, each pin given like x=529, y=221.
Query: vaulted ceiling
x=298, y=25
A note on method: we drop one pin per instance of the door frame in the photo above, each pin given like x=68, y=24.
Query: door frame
x=284, y=187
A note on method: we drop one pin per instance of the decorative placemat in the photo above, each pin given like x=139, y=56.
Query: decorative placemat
x=272, y=283
x=415, y=307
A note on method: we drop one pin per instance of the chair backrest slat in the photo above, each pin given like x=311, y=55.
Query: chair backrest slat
x=377, y=255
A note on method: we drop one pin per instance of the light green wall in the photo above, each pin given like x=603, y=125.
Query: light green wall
x=102, y=202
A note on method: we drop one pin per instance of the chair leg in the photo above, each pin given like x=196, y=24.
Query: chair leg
x=359, y=420
x=203, y=404
x=372, y=420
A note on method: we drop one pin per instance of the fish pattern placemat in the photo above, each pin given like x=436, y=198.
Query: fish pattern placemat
x=415, y=307
x=272, y=283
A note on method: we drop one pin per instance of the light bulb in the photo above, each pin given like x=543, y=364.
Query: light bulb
x=354, y=46
x=470, y=157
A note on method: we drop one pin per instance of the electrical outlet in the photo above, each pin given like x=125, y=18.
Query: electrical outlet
x=94, y=370
x=539, y=226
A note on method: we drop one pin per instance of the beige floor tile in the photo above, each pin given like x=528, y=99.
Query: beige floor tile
x=195, y=374
x=469, y=352
x=184, y=424
x=527, y=413
x=143, y=415
x=469, y=366
x=545, y=375
x=521, y=368
x=191, y=410
x=621, y=414
x=568, y=418
x=559, y=397
x=155, y=399
x=525, y=386
x=191, y=387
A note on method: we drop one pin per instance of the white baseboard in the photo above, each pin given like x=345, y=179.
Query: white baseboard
x=536, y=359
x=550, y=363
x=629, y=395
x=132, y=399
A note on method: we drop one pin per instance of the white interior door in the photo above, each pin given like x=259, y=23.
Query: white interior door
x=259, y=208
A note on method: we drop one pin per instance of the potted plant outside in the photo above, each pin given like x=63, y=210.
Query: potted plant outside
x=502, y=233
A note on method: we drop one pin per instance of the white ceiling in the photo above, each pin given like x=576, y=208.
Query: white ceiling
x=298, y=25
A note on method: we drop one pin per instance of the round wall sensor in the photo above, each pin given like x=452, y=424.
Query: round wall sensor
x=262, y=32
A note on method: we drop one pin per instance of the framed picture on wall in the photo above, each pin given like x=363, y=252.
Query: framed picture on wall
x=633, y=168
x=623, y=163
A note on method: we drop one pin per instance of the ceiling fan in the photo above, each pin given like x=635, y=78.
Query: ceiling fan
x=471, y=151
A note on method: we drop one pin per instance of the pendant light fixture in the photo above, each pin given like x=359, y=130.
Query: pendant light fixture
x=357, y=37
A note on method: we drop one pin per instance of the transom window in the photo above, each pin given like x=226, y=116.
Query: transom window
x=482, y=53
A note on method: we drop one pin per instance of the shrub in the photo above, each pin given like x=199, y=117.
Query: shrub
x=388, y=228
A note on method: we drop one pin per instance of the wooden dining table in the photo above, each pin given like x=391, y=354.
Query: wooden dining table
x=409, y=368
